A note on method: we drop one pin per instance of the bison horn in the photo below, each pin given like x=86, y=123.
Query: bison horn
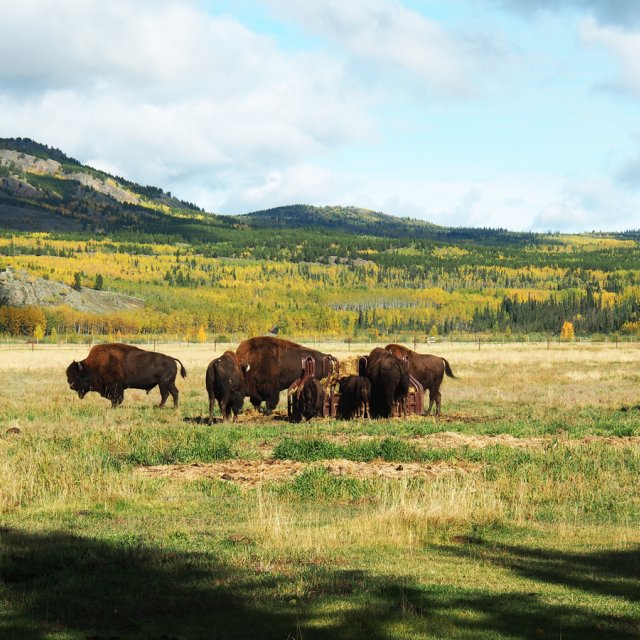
x=79, y=366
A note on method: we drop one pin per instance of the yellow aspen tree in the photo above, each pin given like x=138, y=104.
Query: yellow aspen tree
x=38, y=332
x=567, y=332
x=202, y=334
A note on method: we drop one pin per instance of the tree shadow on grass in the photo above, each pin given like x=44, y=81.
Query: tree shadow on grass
x=82, y=588
x=614, y=573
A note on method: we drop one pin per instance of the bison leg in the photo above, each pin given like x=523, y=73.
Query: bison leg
x=438, y=402
x=164, y=394
x=118, y=397
x=432, y=398
x=175, y=394
x=165, y=390
x=256, y=402
x=272, y=402
x=212, y=402
x=225, y=404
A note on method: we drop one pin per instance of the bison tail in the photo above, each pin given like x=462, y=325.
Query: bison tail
x=183, y=371
x=447, y=369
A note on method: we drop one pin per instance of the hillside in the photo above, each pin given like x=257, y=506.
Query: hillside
x=19, y=289
x=43, y=189
x=344, y=219
x=305, y=270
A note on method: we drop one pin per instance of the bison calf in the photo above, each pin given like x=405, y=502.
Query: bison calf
x=309, y=401
x=225, y=383
x=109, y=369
x=355, y=395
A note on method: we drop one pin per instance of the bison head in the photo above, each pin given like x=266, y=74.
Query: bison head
x=78, y=378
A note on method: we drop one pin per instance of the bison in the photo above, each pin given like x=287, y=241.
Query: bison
x=389, y=377
x=309, y=400
x=225, y=383
x=428, y=370
x=109, y=369
x=274, y=365
x=355, y=396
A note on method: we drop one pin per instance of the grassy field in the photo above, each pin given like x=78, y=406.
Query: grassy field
x=514, y=515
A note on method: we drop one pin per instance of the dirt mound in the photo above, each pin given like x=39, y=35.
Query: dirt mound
x=248, y=473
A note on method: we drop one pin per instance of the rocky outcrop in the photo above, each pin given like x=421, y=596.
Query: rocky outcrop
x=107, y=187
x=32, y=164
x=28, y=162
x=19, y=289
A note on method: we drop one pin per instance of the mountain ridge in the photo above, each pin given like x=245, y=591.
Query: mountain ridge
x=59, y=193
x=43, y=189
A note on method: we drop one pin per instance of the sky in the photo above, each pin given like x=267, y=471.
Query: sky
x=519, y=114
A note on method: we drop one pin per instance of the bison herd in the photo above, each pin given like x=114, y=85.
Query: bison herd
x=261, y=368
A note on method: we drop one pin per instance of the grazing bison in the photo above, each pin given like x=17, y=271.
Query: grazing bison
x=309, y=401
x=274, y=365
x=109, y=369
x=428, y=370
x=355, y=396
x=389, y=377
x=225, y=383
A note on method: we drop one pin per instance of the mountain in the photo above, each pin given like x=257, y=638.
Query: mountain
x=343, y=219
x=43, y=189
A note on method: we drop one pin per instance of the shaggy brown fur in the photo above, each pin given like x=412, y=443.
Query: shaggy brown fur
x=428, y=370
x=225, y=383
x=389, y=377
x=274, y=365
x=109, y=369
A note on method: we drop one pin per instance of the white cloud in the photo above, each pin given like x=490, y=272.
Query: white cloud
x=620, y=12
x=625, y=44
x=393, y=38
x=168, y=93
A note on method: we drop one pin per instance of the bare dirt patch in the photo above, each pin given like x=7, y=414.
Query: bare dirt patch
x=248, y=417
x=453, y=440
x=249, y=473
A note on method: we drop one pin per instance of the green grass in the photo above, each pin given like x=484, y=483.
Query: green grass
x=148, y=447
x=498, y=542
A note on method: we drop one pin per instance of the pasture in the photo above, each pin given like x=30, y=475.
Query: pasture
x=514, y=515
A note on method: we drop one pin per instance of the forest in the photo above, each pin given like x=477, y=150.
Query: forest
x=366, y=288
x=298, y=271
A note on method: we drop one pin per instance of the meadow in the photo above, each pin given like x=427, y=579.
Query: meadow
x=513, y=515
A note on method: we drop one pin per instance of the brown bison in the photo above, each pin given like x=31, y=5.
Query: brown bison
x=355, y=396
x=225, y=383
x=274, y=365
x=109, y=369
x=389, y=377
x=309, y=401
x=428, y=370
